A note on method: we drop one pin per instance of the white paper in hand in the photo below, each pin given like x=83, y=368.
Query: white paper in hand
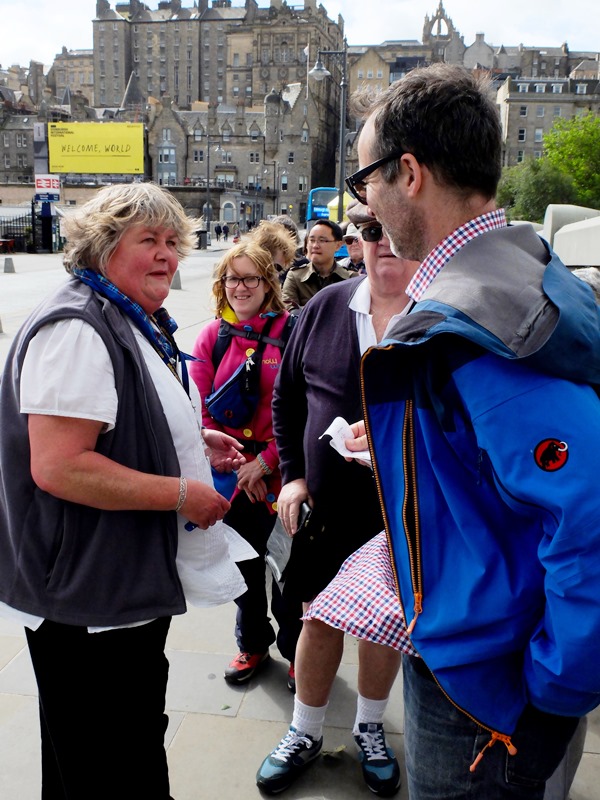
x=340, y=430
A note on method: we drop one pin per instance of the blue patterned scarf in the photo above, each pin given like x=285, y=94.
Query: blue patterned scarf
x=158, y=328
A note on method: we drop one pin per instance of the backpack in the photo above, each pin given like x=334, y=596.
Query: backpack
x=234, y=403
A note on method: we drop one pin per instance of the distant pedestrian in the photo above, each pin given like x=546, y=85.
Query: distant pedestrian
x=225, y=231
x=218, y=232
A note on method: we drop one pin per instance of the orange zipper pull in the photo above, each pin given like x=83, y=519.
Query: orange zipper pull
x=496, y=737
x=418, y=608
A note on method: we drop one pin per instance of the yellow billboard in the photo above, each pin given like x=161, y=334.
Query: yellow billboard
x=106, y=147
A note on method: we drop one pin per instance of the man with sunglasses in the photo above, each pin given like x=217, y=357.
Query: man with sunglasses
x=354, y=244
x=319, y=380
x=302, y=283
x=483, y=425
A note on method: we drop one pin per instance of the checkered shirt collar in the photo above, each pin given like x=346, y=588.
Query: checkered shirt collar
x=449, y=247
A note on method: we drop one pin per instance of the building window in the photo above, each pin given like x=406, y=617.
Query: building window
x=361, y=74
x=21, y=161
x=166, y=134
x=6, y=140
x=557, y=88
x=523, y=111
x=369, y=73
x=254, y=135
x=557, y=111
x=236, y=91
x=284, y=183
x=21, y=140
x=539, y=135
x=540, y=111
x=254, y=158
x=302, y=183
x=227, y=135
x=537, y=153
x=6, y=162
x=520, y=156
x=522, y=137
x=225, y=155
x=198, y=156
x=540, y=88
x=304, y=135
x=166, y=155
x=581, y=88
x=290, y=158
x=523, y=87
x=380, y=73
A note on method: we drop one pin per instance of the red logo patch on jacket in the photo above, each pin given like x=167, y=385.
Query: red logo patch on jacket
x=551, y=454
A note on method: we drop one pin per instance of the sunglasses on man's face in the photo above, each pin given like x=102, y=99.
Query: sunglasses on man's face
x=356, y=182
x=350, y=239
x=372, y=233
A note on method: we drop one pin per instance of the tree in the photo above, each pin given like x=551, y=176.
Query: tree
x=526, y=189
x=573, y=146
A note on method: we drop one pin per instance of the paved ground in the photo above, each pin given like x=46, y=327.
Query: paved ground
x=218, y=735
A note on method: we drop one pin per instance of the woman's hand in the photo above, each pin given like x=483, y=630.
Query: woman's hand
x=358, y=443
x=203, y=505
x=292, y=495
x=225, y=455
x=251, y=479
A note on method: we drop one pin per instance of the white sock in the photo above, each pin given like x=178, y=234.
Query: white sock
x=309, y=719
x=369, y=711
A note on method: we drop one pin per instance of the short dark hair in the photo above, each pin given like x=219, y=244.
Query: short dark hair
x=333, y=227
x=445, y=117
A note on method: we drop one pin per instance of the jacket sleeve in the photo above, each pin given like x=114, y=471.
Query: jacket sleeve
x=561, y=662
x=291, y=297
x=202, y=370
x=290, y=406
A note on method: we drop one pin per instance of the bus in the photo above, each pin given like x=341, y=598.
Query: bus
x=317, y=203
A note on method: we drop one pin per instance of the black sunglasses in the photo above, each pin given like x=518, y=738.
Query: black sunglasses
x=371, y=233
x=356, y=182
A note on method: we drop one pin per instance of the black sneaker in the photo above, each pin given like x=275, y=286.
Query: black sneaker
x=291, y=756
x=244, y=665
x=379, y=765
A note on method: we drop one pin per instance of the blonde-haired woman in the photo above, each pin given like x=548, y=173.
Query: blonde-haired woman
x=249, y=306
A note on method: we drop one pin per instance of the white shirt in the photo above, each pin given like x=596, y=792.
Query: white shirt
x=360, y=303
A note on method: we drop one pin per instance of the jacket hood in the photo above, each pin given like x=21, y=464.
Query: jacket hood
x=509, y=293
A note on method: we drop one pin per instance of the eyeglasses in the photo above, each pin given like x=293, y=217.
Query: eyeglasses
x=250, y=281
x=320, y=240
x=350, y=239
x=372, y=233
x=356, y=182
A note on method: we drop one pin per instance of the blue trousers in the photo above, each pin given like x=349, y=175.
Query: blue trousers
x=441, y=743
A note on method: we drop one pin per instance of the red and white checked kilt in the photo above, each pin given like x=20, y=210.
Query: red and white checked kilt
x=361, y=600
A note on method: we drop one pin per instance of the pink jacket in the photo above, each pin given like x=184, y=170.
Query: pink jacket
x=260, y=429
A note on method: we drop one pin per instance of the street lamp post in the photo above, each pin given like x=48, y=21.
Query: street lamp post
x=208, y=209
x=319, y=73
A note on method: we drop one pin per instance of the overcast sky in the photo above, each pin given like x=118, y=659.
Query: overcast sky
x=38, y=29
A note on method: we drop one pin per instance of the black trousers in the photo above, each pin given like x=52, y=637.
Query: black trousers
x=253, y=631
x=102, y=702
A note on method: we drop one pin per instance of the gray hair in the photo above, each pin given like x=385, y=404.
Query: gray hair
x=94, y=230
x=591, y=276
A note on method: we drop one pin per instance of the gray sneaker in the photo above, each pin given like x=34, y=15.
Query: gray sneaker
x=379, y=765
x=281, y=768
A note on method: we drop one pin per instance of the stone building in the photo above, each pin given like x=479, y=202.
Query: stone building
x=72, y=70
x=530, y=106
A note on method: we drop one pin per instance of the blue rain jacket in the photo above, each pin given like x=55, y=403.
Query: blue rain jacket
x=484, y=427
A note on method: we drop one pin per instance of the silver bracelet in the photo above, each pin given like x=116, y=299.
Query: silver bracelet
x=182, y=493
x=263, y=464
